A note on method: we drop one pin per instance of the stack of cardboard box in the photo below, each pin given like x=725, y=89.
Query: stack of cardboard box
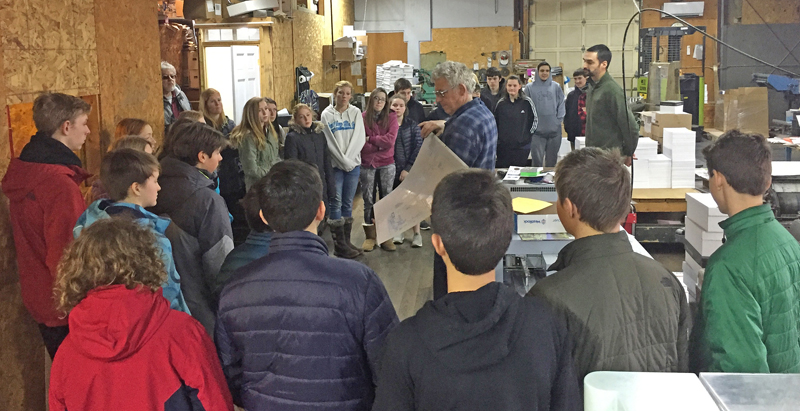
x=190, y=68
x=745, y=109
x=703, y=237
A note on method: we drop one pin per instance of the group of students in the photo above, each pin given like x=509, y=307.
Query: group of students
x=154, y=308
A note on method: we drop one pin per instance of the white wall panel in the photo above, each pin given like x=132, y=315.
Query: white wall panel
x=563, y=30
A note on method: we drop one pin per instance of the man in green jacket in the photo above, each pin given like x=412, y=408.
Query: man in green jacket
x=749, y=317
x=609, y=122
x=624, y=311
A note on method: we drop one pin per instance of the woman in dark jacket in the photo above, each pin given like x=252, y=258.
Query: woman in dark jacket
x=516, y=120
x=406, y=148
x=231, y=176
x=306, y=142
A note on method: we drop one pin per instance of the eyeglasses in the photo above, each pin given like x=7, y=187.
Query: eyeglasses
x=168, y=77
x=441, y=93
x=380, y=99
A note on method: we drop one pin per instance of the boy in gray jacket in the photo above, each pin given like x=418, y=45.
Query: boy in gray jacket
x=548, y=98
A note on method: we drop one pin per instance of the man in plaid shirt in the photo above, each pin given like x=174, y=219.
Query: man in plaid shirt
x=470, y=132
x=575, y=119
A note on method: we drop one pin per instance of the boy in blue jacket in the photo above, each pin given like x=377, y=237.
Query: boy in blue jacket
x=131, y=179
x=298, y=329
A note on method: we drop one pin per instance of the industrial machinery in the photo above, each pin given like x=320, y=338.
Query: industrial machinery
x=426, y=85
x=790, y=87
x=784, y=198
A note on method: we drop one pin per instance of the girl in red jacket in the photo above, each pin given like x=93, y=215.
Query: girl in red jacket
x=377, y=160
x=127, y=350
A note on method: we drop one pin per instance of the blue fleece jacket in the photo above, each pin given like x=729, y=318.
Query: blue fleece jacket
x=101, y=209
x=548, y=99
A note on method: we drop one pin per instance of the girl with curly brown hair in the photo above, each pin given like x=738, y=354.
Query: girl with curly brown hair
x=126, y=348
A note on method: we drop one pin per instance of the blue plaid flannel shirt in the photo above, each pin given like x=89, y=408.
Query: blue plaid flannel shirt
x=471, y=132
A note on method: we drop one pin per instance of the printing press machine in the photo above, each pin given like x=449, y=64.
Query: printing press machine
x=527, y=260
x=529, y=255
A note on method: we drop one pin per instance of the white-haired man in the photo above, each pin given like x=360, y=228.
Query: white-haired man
x=175, y=100
x=471, y=132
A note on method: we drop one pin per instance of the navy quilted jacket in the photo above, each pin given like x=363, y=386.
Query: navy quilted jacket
x=299, y=330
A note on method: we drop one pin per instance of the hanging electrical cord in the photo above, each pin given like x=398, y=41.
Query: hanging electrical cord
x=625, y=37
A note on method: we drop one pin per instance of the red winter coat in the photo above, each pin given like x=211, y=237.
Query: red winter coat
x=46, y=202
x=127, y=350
x=378, y=151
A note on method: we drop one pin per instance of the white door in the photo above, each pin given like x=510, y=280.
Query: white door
x=246, y=77
x=563, y=29
x=219, y=72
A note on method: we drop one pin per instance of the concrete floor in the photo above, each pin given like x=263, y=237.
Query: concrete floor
x=407, y=273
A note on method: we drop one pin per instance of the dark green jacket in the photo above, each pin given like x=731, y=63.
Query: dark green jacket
x=749, y=318
x=609, y=122
x=624, y=311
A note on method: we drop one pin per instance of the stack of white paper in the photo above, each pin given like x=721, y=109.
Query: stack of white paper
x=679, y=145
x=386, y=74
x=641, y=173
x=580, y=142
x=703, y=233
x=647, y=149
x=659, y=172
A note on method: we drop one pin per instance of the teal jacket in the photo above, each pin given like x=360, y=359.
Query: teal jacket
x=101, y=209
x=609, y=122
x=749, y=318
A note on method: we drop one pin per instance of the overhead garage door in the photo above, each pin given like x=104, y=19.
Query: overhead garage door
x=563, y=29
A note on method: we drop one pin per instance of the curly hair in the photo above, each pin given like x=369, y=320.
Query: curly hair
x=114, y=251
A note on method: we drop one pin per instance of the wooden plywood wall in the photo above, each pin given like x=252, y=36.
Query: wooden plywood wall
x=465, y=45
x=771, y=12
x=382, y=48
x=283, y=63
x=48, y=46
x=299, y=42
x=129, y=71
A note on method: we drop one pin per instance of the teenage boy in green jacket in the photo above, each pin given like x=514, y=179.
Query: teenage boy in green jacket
x=749, y=318
x=609, y=122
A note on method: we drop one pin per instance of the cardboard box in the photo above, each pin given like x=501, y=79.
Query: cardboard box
x=345, y=54
x=189, y=60
x=191, y=78
x=745, y=109
x=671, y=120
x=704, y=242
x=703, y=211
x=541, y=222
x=648, y=118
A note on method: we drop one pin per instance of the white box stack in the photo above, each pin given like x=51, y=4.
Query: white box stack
x=679, y=146
x=580, y=142
x=387, y=73
x=646, y=150
x=703, y=234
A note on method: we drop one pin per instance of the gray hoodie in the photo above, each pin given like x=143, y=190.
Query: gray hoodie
x=548, y=98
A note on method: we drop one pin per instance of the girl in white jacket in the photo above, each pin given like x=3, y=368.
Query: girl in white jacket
x=344, y=130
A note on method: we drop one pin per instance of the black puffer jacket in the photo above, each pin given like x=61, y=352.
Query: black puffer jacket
x=310, y=145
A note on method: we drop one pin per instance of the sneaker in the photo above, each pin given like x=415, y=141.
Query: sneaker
x=423, y=225
x=399, y=239
x=417, y=241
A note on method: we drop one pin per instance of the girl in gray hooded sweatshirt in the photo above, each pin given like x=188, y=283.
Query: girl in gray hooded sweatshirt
x=549, y=101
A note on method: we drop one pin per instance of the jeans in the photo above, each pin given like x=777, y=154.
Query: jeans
x=545, y=148
x=346, y=186
x=386, y=176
